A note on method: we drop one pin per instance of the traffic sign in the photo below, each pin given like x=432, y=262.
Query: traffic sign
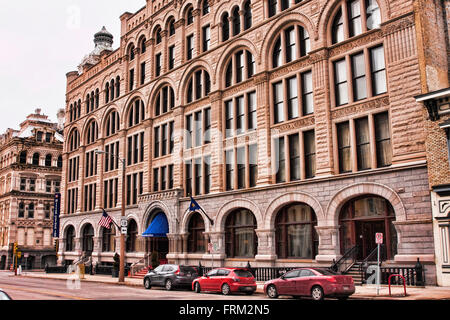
x=379, y=238
x=124, y=222
x=124, y=230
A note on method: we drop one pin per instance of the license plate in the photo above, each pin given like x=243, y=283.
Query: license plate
x=346, y=288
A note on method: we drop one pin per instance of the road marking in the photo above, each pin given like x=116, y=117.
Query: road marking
x=45, y=292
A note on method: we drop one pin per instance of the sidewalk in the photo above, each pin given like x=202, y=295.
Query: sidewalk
x=362, y=292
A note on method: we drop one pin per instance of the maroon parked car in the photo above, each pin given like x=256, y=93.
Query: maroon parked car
x=316, y=283
x=226, y=280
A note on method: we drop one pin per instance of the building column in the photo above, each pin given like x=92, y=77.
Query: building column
x=329, y=247
x=266, y=251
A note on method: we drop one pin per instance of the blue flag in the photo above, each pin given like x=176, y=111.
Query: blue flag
x=194, y=206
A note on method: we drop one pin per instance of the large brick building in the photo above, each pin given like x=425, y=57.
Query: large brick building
x=30, y=175
x=292, y=123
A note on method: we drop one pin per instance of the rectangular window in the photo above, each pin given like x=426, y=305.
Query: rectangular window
x=359, y=77
x=163, y=178
x=307, y=93
x=253, y=164
x=292, y=98
x=340, y=82
x=142, y=73
x=198, y=176
x=229, y=119
x=158, y=65
x=170, y=177
x=252, y=116
x=280, y=160
x=354, y=14
x=156, y=180
x=130, y=151
x=188, y=174
x=383, y=140
x=344, y=150
x=131, y=79
x=198, y=128
x=378, y=69
x=309, y=142
x=141, y=147
x=294, y=156
x=171, y=57
x=239, y=66
x=278, y=102
x=240, y=115
x=206, y=33
x=229, y=166
x=207, y=122
x=190, y=47
x=128, y=190
x=362, y=143
x=198, y=85
x=157, y=142
x=207, y=170
x=291, y=53
x=240, y=153
x=189, y=130
x=250, y=65
x=164, y=140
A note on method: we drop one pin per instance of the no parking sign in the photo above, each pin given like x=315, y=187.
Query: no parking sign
x=379, y=238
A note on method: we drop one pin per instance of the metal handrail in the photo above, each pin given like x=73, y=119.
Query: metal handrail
x=134, y=265
x=351, y=255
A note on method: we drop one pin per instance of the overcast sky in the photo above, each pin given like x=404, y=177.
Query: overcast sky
x=43, y=40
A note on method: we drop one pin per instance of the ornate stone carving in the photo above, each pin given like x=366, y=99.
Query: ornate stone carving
x=345, y=46
x=360, y=107
x=397, y=24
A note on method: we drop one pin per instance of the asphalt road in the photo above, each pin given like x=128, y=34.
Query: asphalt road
x=20, y=288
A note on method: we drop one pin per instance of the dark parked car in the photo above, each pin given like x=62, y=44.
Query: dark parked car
x=4, y=295
x=170, y=276
x=316, y=283
x=227, y=281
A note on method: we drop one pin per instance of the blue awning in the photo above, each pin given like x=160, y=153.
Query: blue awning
x=158, y=228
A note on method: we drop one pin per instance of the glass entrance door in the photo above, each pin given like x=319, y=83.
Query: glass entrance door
x=365, y=236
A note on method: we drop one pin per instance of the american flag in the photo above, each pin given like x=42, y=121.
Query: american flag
x=105, y=221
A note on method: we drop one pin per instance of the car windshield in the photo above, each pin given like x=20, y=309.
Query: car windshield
x=243, y=273
x=326, y=272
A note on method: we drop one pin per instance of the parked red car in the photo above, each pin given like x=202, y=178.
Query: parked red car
x=227, y=281
x=317, y=283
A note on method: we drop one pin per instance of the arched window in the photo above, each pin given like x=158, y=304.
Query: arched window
x=48, y=160
x=296, y=236
x=165, y=100
x=92, y=132
x=97, y=98
x=240, y=235
x=205, y=7
x=92, y=100
x=157, y=35
x=199, y=86
x=78, y=111
x=131, y=236
x=107, y=92
x=225, y=27
x=87, y=244
x=354, y=21
x=171, y=27
x=196, y=240
x=142, y=45
x=60, y=162
x=236, y=21
x=244, y=68
x=293, y=42
x=117, y=86
x=112, y=89
x=112, y=123
x=190, y=16
x=108, y=239
x=35, y=159
x=74, y=140
x=71, y=113
x=247, y=15
x=23, y=157
x=70, y=239
x=136, y=113
x=131, y=52
x=88, y=103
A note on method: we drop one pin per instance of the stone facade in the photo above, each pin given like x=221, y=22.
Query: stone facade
x=403, y=182
x=27, y=187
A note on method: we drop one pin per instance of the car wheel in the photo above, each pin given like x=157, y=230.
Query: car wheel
x=226, y=289
x=169, y=285
x=147, y=284
x=272, y=292
x=197, y=288
x=317, y=293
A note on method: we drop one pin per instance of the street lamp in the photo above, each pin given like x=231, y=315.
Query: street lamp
x=122, y=236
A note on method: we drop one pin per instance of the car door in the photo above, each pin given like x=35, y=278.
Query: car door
x=166, y=273
x=221, y=278
x=303, y=282
x=207, y=284
x=287, y=283
x=155, y=274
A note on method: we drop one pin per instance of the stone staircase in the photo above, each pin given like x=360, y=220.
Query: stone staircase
x=355, y=274
x=140, y=274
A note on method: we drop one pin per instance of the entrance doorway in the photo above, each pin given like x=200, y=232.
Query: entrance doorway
x=157, y=243
x=361, y=219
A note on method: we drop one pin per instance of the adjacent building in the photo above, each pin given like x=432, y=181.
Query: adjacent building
x=30, y=176
x=292, y=123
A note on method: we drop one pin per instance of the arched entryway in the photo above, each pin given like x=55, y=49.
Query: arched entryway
x=70, y=239
x=360, y=219
x=87, y=244
x=109, y=239
x=296, y=236
x=241, y=240
x=157, y=243
x=196, y=229
x=132, y=231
